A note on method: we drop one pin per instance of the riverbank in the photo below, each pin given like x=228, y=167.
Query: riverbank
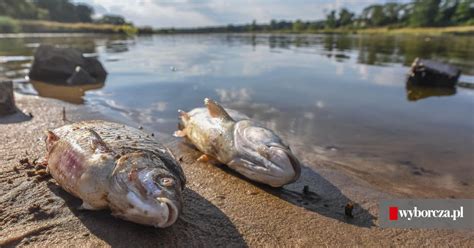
x=221, y=208
x=464, y=30
x=9, y=25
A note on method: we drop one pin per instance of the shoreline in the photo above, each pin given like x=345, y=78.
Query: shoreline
x=459, y=30
x=44, y=26
x=221, y=207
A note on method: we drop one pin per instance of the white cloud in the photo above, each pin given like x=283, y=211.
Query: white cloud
x=194, y=13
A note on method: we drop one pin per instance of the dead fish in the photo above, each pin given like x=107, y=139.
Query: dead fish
x=242, y=144
x=138, y=179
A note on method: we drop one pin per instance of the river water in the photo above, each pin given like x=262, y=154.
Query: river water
x=341, y=96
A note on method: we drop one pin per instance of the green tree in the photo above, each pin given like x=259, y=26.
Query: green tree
x=446, y=10
x=59, y=10
x=345, y=17
x=374, y=15
x=273, y=25
x=331, y=20
x=298, y=26
x=464, y=11
x=21, y=9
x=84, y=13
x=424, y=13
x=391, y=12
x=253, y=27
x=112, y=19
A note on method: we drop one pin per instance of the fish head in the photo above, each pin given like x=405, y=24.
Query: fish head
x=145, y=191
x=263, y=155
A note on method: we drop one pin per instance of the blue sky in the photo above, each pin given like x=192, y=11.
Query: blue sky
x=194, y=13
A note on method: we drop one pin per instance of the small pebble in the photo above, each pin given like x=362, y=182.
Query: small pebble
x=34, y=208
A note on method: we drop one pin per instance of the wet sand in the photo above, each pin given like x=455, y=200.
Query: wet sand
x=221, y=208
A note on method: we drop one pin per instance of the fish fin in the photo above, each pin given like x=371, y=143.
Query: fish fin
x=183, y=115
x=87, y=206
x=97, y=143
x=51, y=139
x=179, y=133
x=204, y=158
x=216, y=110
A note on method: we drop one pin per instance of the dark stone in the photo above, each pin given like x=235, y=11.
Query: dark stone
x=7, y=100
x=80, y=76
x=58, y=65
x=433, y=73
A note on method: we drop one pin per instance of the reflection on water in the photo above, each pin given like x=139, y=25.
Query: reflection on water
x=331, y=94
x=418, y=92
x=68, y=93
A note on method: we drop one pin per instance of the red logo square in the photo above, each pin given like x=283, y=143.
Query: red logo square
x=393, y=213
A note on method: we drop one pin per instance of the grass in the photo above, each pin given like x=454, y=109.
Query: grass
x=29, y=26
x=9, y=25
x=389, y=30
x=426, y=30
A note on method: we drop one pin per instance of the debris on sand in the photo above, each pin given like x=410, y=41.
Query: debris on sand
x=306, y=189
x=348, y=209
x=35, y=169
x=34, y=208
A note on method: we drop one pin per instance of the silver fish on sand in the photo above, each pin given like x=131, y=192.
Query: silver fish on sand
x=109, y=165
x=242, y=144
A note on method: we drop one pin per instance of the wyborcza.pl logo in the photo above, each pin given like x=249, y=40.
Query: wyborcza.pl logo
x=409, y=214
x=427, y=213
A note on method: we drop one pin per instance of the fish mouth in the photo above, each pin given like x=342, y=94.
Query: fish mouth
x=172, y=211
x=294, y=162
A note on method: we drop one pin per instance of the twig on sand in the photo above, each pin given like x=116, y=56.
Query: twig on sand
x=64, y=114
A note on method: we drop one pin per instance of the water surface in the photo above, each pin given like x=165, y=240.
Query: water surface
x=336, y=94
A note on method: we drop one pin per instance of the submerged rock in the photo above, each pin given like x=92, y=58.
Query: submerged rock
x=433, y=73
x=7, y=100
x=65, y=65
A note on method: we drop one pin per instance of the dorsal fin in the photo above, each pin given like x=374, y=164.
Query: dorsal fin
x=97, y=144
x=216, y=110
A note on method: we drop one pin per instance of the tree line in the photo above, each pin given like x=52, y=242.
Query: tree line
x=55, y=10
x=419, y=13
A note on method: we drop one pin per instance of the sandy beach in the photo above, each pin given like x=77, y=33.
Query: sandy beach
x=220, y=207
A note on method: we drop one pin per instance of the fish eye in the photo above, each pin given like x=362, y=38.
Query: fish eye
x=167, y=181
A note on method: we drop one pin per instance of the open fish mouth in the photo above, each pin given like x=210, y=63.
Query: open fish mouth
x=172, y=212
x=157, y=212
x=294, y=162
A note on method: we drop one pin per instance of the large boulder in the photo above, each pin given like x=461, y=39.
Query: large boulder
x=65, y=66
x=7, y=101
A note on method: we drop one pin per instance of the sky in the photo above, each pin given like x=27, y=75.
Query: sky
x=199, y=13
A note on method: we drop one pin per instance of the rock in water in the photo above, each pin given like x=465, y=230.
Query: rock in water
x=433, y=73
x=137, y=178
x=58, y=65
x=7, y=100
x=80, y=76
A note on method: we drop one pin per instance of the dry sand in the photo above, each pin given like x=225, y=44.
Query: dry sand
x=221, y=208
